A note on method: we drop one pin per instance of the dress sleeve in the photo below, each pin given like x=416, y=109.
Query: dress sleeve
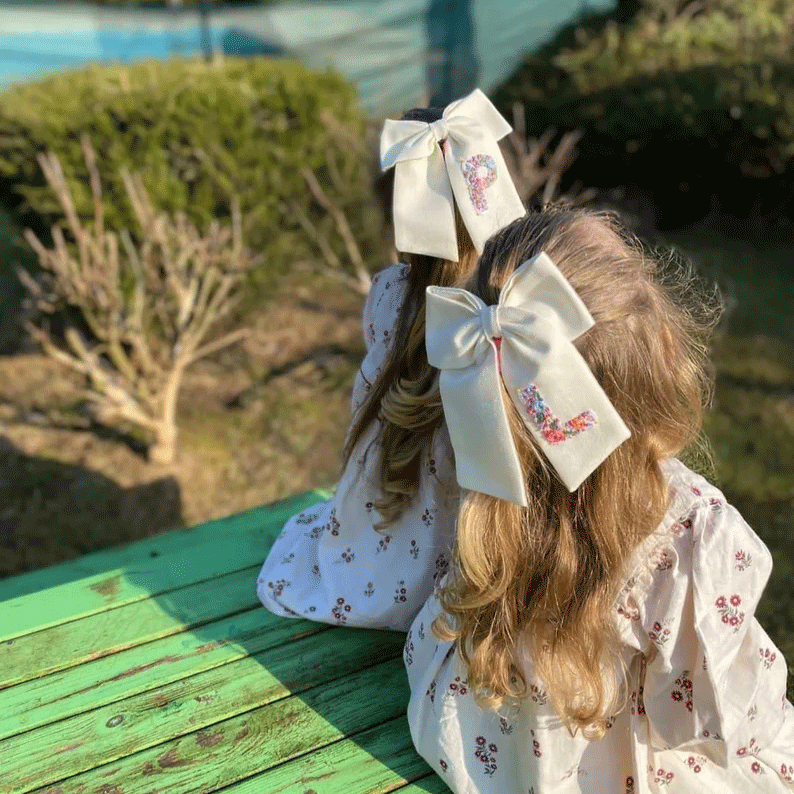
x=329, y=563
x=715, y=683
x=381, y=314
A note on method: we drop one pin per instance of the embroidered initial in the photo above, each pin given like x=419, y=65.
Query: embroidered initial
x=480, y=173
x=554, y=430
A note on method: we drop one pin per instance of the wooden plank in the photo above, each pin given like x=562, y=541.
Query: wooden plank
x=142, y=668
x=262, y=738
x=101, y=634
x=270, y=517
x=202, y=561
x=376, y=761
x=104, y=735
x=432, y=784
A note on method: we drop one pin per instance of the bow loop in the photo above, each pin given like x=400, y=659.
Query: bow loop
x=471, y=173
x=559, y=400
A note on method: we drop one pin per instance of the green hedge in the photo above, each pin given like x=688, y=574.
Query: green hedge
x=197, y=134
x=699, y=104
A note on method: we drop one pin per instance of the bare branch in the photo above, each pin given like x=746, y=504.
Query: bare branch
x=149, y=306
x=353, y=251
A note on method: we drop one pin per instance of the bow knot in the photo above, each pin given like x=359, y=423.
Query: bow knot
x=489, y=317
x=470, y=174
x=440, y=129
x=537, y=317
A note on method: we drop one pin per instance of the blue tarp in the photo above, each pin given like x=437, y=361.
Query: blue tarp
x=399, y=53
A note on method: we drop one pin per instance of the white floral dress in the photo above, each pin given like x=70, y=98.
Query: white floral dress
x=706, y=712
x=329, y=563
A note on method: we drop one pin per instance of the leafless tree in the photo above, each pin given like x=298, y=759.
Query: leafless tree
x=537, y=169
x=149, y=307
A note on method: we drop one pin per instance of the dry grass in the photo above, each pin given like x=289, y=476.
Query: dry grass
x=258, y=425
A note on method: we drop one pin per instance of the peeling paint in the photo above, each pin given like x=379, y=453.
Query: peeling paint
x=109, y=789
x=141, y=667
x=158, y=701
x=111, y=772
x=207, y=739
x=148, y=768
x=210, y=646
x=69, y=747
x=204, y=698
x=241, y=735
x=114, y=721
x=109, y=588
x=172, y=759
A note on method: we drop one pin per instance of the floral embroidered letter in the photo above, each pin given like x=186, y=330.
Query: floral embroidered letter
x=477, y=181
x=551, y=426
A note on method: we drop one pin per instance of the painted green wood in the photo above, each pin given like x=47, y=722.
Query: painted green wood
x=206, y=559
x=145, y=667
x=432, y=784
x=376, y=761
x=71, y=643
x=104, y=735
x=260, y=739
x=271, y=516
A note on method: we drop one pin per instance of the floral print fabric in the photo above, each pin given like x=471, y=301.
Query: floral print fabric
x=329, y=563
x=706, y=708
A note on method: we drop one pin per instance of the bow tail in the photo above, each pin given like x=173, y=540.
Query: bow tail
x=486, y=197
x=424, y=218
x=485, y=456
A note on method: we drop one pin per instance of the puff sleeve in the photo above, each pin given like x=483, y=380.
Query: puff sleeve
x=714, y=685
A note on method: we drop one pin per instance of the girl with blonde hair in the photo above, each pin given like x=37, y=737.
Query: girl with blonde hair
x=595, y=632
x=371, y=555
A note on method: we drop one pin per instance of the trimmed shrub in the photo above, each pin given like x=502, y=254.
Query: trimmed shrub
x=690, y=105
x=199, y=134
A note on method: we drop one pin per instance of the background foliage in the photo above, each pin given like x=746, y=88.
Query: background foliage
x=198, y=134
x=693, y=100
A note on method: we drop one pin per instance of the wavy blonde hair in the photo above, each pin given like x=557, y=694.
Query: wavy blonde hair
x=543, y=580
x=405, y=400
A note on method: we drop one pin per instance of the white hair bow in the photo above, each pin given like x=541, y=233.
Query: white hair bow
x=471, y=168
x=525, y=341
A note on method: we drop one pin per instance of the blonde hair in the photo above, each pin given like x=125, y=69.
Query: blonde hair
x=405, y=400
x=543, y=580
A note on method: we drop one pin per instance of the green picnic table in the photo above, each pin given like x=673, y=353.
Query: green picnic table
x=153, y=667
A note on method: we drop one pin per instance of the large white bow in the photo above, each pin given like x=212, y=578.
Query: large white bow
x=471, y=168
x=536, y=320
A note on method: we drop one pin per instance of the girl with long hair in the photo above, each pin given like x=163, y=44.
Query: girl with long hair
x=372, y=554
x=595, y=631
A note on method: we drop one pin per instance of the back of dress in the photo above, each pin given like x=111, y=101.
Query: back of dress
x=706, y=708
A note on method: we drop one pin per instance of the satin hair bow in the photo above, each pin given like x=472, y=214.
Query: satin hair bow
x=525, y=342
x=471, y=169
